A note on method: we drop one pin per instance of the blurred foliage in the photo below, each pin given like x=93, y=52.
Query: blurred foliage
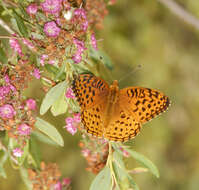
x=146, y=33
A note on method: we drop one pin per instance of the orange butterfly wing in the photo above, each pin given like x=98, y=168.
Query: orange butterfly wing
x=91, y=93
x=143, y=103
x=123, y=126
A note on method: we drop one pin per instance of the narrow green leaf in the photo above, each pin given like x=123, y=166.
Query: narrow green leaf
x=43, y=138
x=3, y=57
x=132, y=183
x=24, y=176
x=2, y=172
x=118, y=165
x=49, y=130
x=35, y=151
x=60, y=105
x=102, y=180
x=25, y=153
x=20, y=24
x=145, y=162
x=53, y=94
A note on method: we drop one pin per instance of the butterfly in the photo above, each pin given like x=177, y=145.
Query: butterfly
x=113, y=113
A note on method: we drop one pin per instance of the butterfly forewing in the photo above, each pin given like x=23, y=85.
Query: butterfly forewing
x=90, y=90
x=143, y=103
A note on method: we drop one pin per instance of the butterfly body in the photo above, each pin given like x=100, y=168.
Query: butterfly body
x=112, y=113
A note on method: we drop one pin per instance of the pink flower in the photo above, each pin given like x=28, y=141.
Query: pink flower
x=24, y=129
x=71, y=128
x=69, y=93
x=17, y=152
x=36, y=73
x=77, y=117
x=32, y=9
x=4, y=90
x=6, y=79
x=43, y=58
x=31, y=104
x=14, y=44
x=51, y=62
x=93, y=41
x=79, y=45
x=72, y=123
x=51, y=6
x=80, y=18
x=28, y=43
x=7, y=111
x=58, y=186
x=51, y=29
x=84, y=25
x=77, y=58
x=66, y=181
x=80, y=13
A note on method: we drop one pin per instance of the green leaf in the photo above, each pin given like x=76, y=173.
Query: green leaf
x=101, y=56
x=35, y=151
x=60, y=106
x=24, y=176
x=3, y=57
x=2, y=172
x=20, y=24
x=60, y=74
x=132, y=183
x=118, y=165
x=145, y=162
x=102, y=180
x=43, y=138
x=49, y=130
x=53, y=94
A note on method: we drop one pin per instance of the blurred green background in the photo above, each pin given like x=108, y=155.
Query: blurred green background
x=143, y=32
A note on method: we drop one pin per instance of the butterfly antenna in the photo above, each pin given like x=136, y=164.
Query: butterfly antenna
x=130, y=73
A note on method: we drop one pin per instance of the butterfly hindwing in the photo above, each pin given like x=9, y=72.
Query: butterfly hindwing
x=122, y=127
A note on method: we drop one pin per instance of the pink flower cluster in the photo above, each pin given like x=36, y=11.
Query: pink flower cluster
x=93, y=41
x=17, y=152
x=4, y=90
x=7, y=111
x=51, y=29
x=31, y=104
x=77, y=57
x=32, y=9
x=69, y=93
x=52, y=6
x=14, y=44
x=65, y=184
x=72, y=123
x=24, y=129
x=80, y=18
x=36, y=73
